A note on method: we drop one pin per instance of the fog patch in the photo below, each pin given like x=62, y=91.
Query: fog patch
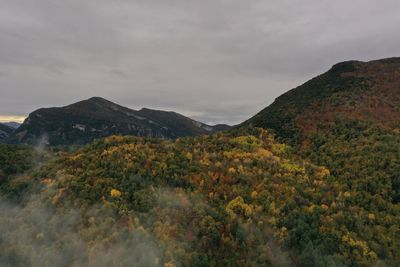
x=39, y=235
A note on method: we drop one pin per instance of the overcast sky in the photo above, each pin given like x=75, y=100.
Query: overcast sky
x=213, y=60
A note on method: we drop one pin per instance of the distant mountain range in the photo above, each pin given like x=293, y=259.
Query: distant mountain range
x=12, y=124
x=81, y=122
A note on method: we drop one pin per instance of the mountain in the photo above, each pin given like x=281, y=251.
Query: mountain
x=96, y=117
x=347, y=120
x=5, y=132
x=326, y=192
x=12, y=124
x=367, y=92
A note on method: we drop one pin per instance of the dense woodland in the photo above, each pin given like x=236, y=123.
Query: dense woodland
x=229, y=199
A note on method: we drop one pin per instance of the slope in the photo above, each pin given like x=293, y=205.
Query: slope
x=359, y=91
x=348, y=119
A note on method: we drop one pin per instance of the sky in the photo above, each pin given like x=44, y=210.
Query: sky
x=217, y=61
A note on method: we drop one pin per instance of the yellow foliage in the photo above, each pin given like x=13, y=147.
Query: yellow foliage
x=279, y=148
x=311, y=208
x=248, y=210
x=262, y=153
x=169, y=264
x=218, y=164
x=322, y=172
x=361, y=245
x=283, y=232
x=237, y=206
x=293, y=168
x=254, y=194
x=115, y=193
x=246, y=140
x=110, y=151
x=241, y=169
x=75, y=157
x=189, y=156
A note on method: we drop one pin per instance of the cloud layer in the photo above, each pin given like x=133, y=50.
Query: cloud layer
x=213, y=60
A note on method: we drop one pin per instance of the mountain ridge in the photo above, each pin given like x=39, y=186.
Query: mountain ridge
x=350, y=89
x=12, y=124
x=96, y=117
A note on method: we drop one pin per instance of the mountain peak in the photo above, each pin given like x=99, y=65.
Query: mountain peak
x=96, y=117
x=94, y=100
x=345, y=66
x=351, y=90
x=352, y=65
x=97, y=99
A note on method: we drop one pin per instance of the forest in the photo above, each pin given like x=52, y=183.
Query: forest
x=239, y=198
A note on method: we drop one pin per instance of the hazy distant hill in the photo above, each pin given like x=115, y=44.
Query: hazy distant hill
x=12, y=124
x=96, y=117
x=5, y=132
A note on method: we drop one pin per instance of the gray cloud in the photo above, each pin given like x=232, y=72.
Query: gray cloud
x=214, y=60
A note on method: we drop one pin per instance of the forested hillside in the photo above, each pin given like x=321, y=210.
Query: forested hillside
x=368, y=92
x=239, y=199
x=348, y=120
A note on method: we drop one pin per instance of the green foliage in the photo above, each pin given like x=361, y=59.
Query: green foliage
x=364, y=160
x=14, y=159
